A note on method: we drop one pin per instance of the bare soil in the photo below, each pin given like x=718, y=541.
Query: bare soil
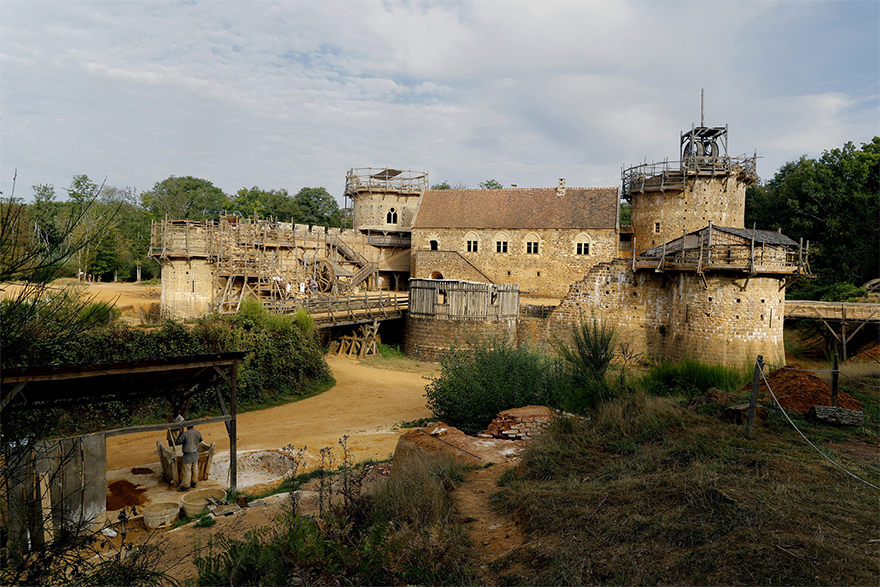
x=798, y=390
x=366, y=404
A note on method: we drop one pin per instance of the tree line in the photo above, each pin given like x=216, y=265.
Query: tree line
x=114, y=223
x=833, y=202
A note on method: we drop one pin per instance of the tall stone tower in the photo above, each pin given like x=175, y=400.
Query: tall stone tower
x=706, y=184
x=384, y=200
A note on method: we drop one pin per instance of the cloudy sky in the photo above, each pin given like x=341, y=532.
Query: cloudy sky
x=293, y=94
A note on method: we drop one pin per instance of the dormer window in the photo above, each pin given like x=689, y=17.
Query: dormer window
x=391, y=217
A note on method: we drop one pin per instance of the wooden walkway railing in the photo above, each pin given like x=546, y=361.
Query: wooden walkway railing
x=836, y=311
x=329, y=311
x=844, y=314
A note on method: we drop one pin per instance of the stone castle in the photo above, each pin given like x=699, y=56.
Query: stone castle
x=685, y=279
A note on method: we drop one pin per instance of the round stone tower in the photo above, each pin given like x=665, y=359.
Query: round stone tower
x=670, y=198
x=384, y=200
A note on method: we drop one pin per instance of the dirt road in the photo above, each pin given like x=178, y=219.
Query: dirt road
x=365, y=404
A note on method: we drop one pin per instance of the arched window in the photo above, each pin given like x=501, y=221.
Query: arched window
x=501, y=242
x=391, y=217
x=582, y=245
x=434, y=245
x=472, y=242
x=532, y=244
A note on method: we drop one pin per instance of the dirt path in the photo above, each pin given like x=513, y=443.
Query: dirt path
x=493, y=536
x=365, y=404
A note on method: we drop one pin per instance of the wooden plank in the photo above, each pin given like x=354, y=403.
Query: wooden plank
x=71, y=480
x=125, y=371
x=166, y=426
x=94, y=465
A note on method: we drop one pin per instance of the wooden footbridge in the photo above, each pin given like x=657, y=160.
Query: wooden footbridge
x=845, y=315
x=331, y=310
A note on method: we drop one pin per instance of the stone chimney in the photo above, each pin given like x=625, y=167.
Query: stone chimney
x=560, y=189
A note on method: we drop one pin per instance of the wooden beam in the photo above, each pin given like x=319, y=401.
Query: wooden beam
x=233, y=431
x=123, y=371
x=165, y=426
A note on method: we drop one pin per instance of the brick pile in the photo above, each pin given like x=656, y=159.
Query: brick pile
x=520, y=423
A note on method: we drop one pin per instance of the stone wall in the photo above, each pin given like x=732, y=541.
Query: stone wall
x=188, y=287
x=547, y=273
x=725, y=319
x=429, y=339
x=371, y=208
x=720, y=200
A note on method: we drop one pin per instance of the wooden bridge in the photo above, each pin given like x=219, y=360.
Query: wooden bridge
x=331, y=310
x=844, y=314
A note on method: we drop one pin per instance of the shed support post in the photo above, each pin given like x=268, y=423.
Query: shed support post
x=233, y=455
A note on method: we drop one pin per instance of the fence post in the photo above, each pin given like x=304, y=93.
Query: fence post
x=835, y=378
x=753, y=401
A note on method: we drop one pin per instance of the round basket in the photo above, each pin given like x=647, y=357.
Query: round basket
x=159, y=514
x=195, y=502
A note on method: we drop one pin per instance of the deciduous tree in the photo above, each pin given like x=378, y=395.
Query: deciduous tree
x=832, y=201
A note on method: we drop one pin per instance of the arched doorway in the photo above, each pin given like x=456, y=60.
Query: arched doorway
x=436, y=275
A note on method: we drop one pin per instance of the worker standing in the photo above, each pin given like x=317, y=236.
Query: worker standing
x=190, y=441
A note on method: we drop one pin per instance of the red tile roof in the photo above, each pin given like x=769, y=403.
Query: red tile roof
x=514, y=208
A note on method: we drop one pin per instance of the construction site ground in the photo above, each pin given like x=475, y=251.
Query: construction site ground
x=367, y=404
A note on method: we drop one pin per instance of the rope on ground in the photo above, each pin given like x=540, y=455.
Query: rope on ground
x=826, y=457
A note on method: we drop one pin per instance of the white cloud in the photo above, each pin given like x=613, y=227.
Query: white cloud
x=286, y=94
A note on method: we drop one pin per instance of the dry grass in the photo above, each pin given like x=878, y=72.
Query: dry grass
x=690, y=502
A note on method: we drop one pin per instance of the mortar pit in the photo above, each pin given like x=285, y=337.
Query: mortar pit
x=263, y=468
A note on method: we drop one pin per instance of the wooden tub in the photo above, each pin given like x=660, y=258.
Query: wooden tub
x=172, y=461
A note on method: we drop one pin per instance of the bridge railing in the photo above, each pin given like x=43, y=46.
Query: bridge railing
x=336, y=310
x=836, y=311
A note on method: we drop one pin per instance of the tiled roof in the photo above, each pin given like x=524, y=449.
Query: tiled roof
x=761, y=236
x=513, y=208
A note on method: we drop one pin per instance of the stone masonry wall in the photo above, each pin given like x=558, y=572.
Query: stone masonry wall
x=371, y=209
x=673, y=316
x=428, y=339
x=720, y=200
x=188, y=287
x=547, y=273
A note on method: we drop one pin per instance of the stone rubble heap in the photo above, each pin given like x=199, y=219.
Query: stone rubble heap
x=520, y=423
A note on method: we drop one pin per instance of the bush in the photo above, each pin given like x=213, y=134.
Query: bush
x=477, y=382
x=587, y=361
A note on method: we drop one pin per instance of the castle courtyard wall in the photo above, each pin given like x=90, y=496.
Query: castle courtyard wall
x=430, y=339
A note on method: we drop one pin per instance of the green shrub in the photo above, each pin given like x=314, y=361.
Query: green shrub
x=477, y=382
x=587, y=360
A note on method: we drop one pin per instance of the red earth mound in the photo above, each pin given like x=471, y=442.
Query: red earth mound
x=122, y=494
x=798, y=391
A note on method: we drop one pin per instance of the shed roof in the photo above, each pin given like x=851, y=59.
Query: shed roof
x=518, y=208
x=85, y=383
x=769, y=237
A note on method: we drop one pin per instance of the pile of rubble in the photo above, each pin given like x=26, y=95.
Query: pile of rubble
x=519, y=423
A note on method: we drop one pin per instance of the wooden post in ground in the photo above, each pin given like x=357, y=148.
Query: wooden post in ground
x=753, y=400
x=233, y=455
x=835, y=378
